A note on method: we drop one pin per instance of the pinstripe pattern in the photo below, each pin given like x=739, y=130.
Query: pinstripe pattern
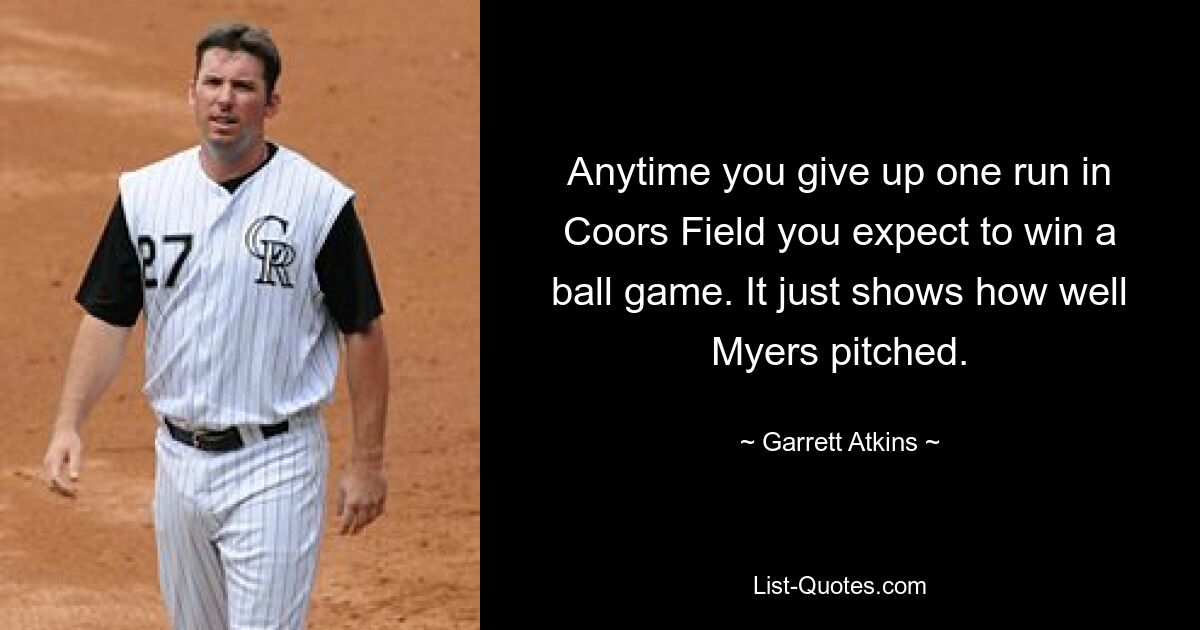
x=221, y=349
x=238, y=533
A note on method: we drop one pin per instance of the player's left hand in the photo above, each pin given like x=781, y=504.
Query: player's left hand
x=361, y=495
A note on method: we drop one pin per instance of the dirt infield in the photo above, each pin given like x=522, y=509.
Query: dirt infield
x=386, y=96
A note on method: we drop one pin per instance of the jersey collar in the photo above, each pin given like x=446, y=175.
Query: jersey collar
x=231, y=185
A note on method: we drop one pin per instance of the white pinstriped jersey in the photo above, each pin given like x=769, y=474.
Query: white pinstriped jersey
x=236, y=327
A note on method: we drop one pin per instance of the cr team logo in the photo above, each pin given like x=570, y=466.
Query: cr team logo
x=265, y=241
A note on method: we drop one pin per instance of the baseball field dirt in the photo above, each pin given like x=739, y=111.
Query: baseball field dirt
x=386, y=96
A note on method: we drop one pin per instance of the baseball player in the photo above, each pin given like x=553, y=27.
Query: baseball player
x=247, y=261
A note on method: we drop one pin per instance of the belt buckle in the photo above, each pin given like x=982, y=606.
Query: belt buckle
x=200, y=438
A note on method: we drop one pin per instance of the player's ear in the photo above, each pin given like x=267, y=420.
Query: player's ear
x=191, y=91
x=273, y=104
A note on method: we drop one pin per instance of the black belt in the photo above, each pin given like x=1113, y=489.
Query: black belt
x=220, y=441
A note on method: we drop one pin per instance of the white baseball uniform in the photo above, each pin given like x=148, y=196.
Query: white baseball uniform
x=241, y=284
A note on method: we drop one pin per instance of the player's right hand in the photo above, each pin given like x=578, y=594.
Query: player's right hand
x=64, y=460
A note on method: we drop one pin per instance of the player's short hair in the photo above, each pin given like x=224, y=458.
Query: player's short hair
x=239, y=36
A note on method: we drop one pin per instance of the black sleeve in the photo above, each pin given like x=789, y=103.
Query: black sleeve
x=112, y=287
x=346, y=276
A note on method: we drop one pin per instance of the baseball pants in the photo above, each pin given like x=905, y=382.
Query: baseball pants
x=238, y=532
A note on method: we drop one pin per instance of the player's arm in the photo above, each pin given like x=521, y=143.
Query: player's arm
x=348, y=281
x=111, y=296
x=95, y=358
x=364, y=488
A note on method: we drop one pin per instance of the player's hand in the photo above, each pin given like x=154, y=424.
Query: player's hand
x=361, y=495
x=63, y=461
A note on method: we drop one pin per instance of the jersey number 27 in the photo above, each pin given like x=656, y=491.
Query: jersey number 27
x=181, y=243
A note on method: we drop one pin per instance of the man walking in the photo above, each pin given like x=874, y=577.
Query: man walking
x=247, y=261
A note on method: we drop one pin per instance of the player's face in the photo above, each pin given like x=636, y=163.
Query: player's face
x=229, y=99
